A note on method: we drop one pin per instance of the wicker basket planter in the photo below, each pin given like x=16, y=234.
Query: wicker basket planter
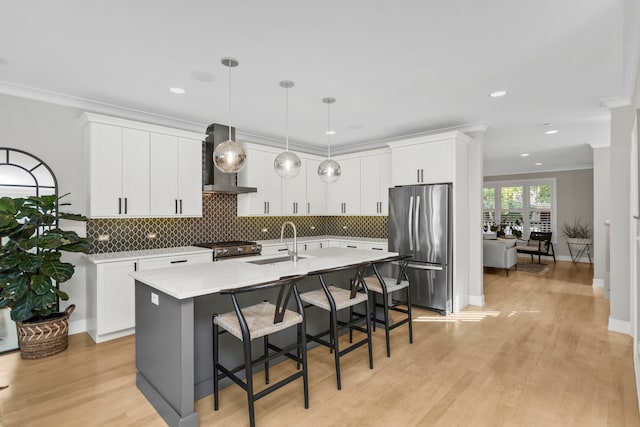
x=38, y=340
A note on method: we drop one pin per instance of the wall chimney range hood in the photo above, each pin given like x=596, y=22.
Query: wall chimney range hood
x=214, y=180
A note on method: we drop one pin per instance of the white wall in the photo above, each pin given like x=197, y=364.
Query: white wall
x=53, y=134
x=474, y=156
x=601, y=185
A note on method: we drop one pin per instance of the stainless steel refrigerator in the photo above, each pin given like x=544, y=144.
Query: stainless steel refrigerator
x=420, y=224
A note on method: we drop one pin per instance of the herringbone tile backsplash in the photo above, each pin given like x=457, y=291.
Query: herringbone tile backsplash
x=219, y=222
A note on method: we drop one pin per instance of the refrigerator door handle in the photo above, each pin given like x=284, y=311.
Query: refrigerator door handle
x=417, y=220
x=425, y=266
x=410, y=222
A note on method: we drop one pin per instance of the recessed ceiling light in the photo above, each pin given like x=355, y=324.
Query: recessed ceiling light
x=177, y=90
x=524, y=155
x=498, y=93
x=551, y=132
x=330, y=132
x=538, y=163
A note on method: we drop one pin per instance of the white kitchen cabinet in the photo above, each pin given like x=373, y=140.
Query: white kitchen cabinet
x=316, y=189
x=425, y=160
x=259, y=173
x=118, y=171
x=176, y=176
x=375, y=180
x=110, y=300
x=274, y=249
x=343, y=196
x=308, y=246
x=294, y=193
x=111, y=292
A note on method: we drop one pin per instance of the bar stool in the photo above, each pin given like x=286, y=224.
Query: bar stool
x=385, y=286
x=261, y=320
x=332, y=298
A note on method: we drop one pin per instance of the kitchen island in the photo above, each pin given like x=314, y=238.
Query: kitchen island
x=173, y=321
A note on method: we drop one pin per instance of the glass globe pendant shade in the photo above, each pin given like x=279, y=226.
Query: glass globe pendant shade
x=329, y=171
x=287, y=164
x=229, y=157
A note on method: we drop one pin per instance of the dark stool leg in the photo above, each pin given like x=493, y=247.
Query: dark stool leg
x=216, y=387
x=266, y=362
x=299, y=350
x=246, y=346
x=334, y=341
x=350, y=321
x=373, y=310
x=303, y=354
x=385, y=303
x=409, y=314
x=368, y=322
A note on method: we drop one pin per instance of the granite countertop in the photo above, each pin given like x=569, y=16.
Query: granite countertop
x=317, y=238
x=147, y=253
x=188, y=281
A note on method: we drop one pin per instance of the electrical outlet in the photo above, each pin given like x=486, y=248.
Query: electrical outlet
x=103, y=237
x=154, y=299
x=151, y=235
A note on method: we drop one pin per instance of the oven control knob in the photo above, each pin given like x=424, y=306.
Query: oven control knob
x=225, y=251
x=255, y=249
x=240, y=250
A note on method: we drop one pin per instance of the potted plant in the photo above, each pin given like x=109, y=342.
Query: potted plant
x=31, y=268
x=577, y=233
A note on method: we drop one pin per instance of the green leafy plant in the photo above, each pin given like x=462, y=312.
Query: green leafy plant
x=577, y=230
x=30, y=258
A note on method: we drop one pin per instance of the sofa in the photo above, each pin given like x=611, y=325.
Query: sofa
x=500, y=253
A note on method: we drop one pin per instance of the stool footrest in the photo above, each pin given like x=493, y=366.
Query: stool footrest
x=277, y=385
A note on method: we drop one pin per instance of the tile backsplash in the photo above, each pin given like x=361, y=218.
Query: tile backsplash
x=220, y=222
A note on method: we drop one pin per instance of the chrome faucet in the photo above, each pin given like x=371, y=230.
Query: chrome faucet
x=294, y=253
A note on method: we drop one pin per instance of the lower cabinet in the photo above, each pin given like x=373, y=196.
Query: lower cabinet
x=111, y=297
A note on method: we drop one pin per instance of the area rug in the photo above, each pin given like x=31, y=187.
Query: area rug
x=532, y=267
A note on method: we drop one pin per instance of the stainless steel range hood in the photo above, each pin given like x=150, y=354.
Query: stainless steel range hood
x=214, y=180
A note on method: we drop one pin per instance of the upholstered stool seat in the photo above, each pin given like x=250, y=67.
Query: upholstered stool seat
x=259, y=319
x=374, y=285
x=341, y=297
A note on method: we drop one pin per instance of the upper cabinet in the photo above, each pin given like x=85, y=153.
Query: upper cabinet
x=375, y=180
x=142, y=170
x=294, y=192
x=119, y=171
x=426, y=160
x=343, y=196
x=316, y=191
x=259, y=173
x=176, y=177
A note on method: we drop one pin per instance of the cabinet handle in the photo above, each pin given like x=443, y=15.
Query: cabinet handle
x=294, y=207
x=125, y=205
x=305, y=246
x=418, y=177
x=352, y=247
x=176, y=205
x=320, y=245
x=265, y=207
x=135, y=266
x=282, y=250
x=180, y=205
x=178, y=261
x=268, y=207
x=119, y=205
x=308, y=207
x=422, y=175
x=376, y=249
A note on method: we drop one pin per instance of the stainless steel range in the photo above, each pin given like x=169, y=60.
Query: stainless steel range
x=234, y=248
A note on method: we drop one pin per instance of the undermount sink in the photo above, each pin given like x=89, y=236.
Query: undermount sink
x=272, y=260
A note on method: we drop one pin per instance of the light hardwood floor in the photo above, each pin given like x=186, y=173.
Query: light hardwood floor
x=538, y=353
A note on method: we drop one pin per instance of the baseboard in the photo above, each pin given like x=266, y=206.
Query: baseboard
x=77, y=326
x=598, y=283
x=621, y=326
x=477, y=300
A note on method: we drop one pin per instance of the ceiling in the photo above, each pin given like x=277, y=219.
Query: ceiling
x=395, y=68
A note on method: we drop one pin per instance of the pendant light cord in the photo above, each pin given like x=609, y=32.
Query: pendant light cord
x=328, y=131
x=286, y=103
x=229, y=101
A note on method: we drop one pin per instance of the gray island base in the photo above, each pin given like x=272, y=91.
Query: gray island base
x=173, y=322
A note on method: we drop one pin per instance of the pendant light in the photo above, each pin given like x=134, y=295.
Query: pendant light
x=229, y=156
x=287, y=164
x=329, y=170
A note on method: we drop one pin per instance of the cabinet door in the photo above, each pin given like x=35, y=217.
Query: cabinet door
x=115, y=297
x=370, y=185
x=436, y=162
x=135, y=172
x=105, y=170
x=316, y=191
x=259, y=173
x=405, y=165
x=384, y=168
x=174, y=260
x=189, y=177
x=164, y=175
x=343, y=196
x=294, y=193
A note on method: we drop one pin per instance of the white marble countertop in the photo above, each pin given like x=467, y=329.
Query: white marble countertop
x=324, y=237
x=147, y=253
x=188, y=281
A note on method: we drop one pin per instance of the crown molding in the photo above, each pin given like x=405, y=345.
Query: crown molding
x=615, y=102
x=595, y=145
